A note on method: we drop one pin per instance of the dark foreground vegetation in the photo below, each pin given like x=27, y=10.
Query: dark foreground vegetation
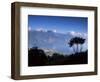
x=37, y=57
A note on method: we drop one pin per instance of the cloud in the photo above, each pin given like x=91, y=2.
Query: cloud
x=51, y=40
x=54, y=30
x=73, y=33
x=41, y=29
x=45, y=30
x=29, y=28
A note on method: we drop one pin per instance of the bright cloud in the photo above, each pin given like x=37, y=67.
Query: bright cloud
x=29, y=28
x=45, y=30
x=54, y=30
x=73, y=33
x=41, y=29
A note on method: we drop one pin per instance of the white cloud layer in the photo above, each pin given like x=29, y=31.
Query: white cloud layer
x=29, y=28
x=73, y=33
x=45, y=30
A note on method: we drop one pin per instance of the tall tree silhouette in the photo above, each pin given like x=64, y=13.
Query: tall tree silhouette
x=76, y=41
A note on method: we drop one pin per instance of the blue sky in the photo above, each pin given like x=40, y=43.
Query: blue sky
x=59, y=24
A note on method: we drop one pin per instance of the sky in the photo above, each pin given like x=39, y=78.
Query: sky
x=58, y=24
x=76, y=26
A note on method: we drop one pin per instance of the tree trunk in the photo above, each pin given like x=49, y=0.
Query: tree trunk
x=74, y=49
x=77, y=48
x=81, y=48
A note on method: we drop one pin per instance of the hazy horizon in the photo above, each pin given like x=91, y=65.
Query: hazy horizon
x=62, y=30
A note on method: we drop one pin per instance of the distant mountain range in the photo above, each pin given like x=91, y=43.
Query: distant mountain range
x=51, y=40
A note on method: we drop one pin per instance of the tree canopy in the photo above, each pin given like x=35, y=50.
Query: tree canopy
x=77, y=41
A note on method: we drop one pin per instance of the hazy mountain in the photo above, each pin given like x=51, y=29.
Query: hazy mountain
x=53, y=40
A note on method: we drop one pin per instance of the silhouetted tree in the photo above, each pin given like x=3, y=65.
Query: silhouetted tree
x=76, y=41
x=36, y=57
x=57, y=55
